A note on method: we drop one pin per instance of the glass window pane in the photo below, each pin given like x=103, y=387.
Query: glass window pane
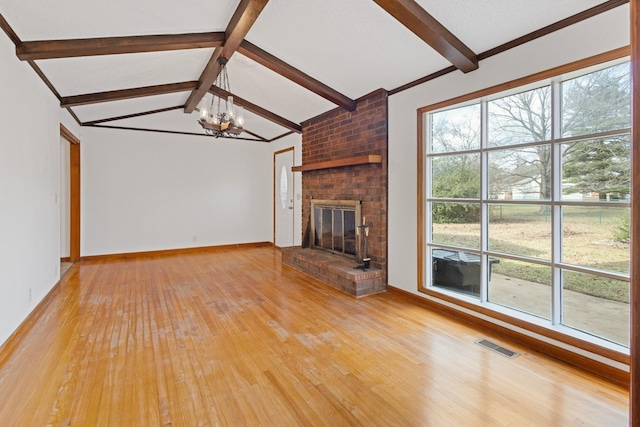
x=521, y=285
x=597, y=169
x=456, y=271
x=520, y=174
x=327, y=240
x=456, y=129
x=337, y=230
x=596, y=237
x=456, y=177
x=456, y=224
x=317, y=220
x=597, y=102
x=520, y=118
x=596, y=305
x=350, y=232
x=520, y=230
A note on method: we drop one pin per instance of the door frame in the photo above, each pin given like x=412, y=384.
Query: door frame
x=74, y=192
x=275, y=174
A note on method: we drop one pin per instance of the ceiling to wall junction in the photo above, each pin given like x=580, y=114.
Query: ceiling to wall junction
x=142, y=64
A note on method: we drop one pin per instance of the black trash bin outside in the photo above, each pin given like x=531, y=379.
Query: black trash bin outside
x=458, y=270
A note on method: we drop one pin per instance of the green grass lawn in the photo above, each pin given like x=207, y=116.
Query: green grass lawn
x=525, y=230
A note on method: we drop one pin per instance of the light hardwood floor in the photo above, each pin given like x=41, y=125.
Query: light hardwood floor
x=232, y=338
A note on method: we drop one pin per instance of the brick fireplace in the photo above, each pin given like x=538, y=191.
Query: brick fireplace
x=344, y=157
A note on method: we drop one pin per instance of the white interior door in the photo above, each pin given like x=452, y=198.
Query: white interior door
x=283, y=203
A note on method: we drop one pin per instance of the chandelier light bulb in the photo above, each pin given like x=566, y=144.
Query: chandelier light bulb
x=239, y=117
x=204, y=114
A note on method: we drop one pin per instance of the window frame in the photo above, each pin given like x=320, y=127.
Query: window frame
x=552, y=329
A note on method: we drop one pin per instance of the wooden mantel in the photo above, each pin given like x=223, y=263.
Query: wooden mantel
x=349, y=161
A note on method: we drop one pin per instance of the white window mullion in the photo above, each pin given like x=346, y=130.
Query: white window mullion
x=556, y=211
x=484, y=207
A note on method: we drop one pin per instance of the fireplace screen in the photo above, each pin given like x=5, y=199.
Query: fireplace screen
x=333, y=225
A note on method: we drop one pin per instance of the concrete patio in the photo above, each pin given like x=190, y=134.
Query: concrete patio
x=597, y=316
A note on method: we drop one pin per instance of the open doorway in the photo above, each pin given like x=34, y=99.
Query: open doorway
x=69, y=199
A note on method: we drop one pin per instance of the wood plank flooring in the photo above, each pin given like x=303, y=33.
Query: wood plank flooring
x=232, y=338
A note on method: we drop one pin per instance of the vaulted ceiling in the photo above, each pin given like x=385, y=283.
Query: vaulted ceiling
x=145, y=64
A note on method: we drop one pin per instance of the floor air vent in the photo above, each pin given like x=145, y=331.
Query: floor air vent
x=498, y=349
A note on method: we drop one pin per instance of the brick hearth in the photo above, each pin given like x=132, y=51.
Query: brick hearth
x=336, y=271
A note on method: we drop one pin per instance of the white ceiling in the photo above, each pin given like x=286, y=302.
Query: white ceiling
x=354, y=46
x=70, y=19
x=483, y=25
x=89, y=74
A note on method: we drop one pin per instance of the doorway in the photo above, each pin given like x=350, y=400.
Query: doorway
x=69, y=199
x=283, y=201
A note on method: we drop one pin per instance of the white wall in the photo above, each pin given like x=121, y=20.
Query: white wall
x=29, y=186
x=140, y=191
x=600, y=34
x=144, y=191
x=295, y=141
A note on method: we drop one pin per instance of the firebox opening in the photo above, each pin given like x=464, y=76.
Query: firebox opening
x=334, y=224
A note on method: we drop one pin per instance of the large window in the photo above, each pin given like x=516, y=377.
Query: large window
x=526, y=202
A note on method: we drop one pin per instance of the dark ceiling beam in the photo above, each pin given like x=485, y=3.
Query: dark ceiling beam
x=208, y=75
x=130, y=116
x=255, y=109
x=74, y=115
x=280, y=136
x=9, y=31
x=260, y=56
x=44, y=79
x=564, y=23
x=255, y=135
x=4, y=25
x=50, y=49
x=174, y=132
x=559, y=25
x=424, y=79
x=241, y=22
x=425, y=26
x=117, y=95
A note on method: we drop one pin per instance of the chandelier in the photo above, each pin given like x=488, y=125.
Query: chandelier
x=218, y=116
